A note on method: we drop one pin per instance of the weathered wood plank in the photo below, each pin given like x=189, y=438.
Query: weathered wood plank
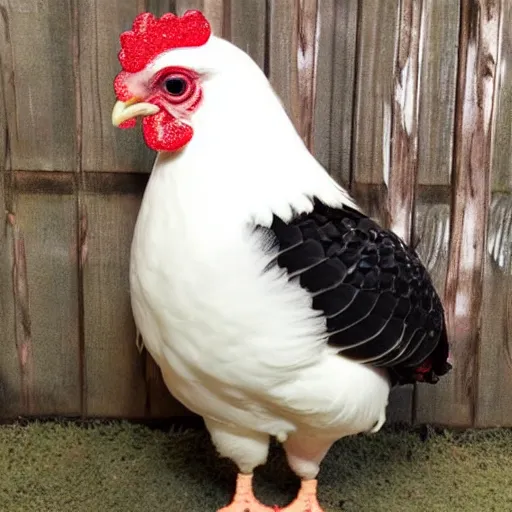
x=159, y=7
x=320, y=138
x=438, y=75
x=377, y=38
x=160, y=403
x=494, y=397
x=216, y=11
x=404, y=144
x=405, y=114
x=114, y=370
x=432, y=238
x=453, y=402
x=10, y=389
x=292, y=60
x=185, y=5
x=37, y=60
x=247, y=27
x=438, y=87
x=502, y=150
x=282, y=54
x=384, y=148
x=338, y=160
x=45, y=295
x=105, y=148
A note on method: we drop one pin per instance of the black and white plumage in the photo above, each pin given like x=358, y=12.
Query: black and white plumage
x=378, y=300
x=272, y=305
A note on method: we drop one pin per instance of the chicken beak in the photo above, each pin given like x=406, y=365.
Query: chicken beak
x=125, y=110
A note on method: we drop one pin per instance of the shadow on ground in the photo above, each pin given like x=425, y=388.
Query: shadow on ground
x=122, y=467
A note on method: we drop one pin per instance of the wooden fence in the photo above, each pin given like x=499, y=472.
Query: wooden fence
x=407, y=102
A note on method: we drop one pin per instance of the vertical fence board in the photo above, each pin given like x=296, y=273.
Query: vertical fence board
x=282, y=56
x=103, y=147
x=185, y=5
x=10, y=396
x=494, y=396
x=377, y=36
x=454, y=403
x=405, y=112
x=438, y=88
x=494, y=406
x=404, y=144
x=323, y=85
x=216, y=11
x=46, y=281
x=159, y=402
x=502, y=150
x=436, y=125
x=342, y=94
x=380, y=28
x=247, y=28
x=114, y=371
x=159, y=7
x=41, y=114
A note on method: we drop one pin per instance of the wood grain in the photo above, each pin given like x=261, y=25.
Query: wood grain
x=105, y=148
x=282, y=53
x=438, y=75
x=342, y=83
x=377, y=38
x=405, y=114
x=307, y=65
x=454, y=403
x=502, y=149
x=10, y=389
x=159, y=7
x=407, y=103
x=45, y=292
x=403, y=165
x=216, y=11
x=494, y=397
x=114, y=372
x=37, y=63
x=11, y=404
x=247, y=27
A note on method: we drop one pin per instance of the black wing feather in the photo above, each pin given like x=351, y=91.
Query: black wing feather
x=379, y=302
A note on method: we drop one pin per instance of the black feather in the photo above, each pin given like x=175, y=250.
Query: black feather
x=378, y=300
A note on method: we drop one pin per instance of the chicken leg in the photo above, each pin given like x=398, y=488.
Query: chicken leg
x=248, y=449
x=304, y=456
x=244, y=499
x=306, y=500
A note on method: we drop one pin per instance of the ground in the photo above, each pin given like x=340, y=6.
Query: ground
x=124, y=467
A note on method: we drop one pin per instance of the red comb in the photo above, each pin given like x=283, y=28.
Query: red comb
x=151, y=36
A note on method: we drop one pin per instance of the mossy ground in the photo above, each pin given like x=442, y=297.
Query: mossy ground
x=125, y=467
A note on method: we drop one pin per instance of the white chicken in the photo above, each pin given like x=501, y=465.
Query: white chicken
x=271, y=304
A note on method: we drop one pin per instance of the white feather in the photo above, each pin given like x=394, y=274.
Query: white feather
x=237, y=345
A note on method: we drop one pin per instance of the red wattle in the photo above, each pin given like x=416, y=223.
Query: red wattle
x=163, y=132
x=130, y=123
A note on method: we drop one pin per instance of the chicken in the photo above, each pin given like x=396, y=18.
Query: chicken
x=272, y=304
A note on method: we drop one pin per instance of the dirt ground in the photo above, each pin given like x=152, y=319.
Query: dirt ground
x=124, y=467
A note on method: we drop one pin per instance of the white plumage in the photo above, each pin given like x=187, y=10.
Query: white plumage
x=237, y=340
x=234, y=344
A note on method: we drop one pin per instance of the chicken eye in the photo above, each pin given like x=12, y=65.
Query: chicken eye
x=176, y=86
